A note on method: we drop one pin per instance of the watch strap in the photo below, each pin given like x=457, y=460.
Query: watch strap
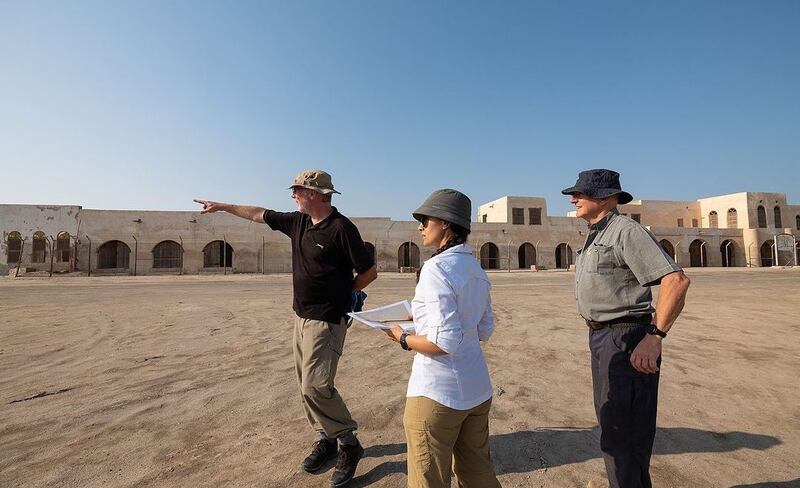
x=653, y=330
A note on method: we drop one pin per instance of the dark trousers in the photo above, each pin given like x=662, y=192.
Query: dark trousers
x=625, y=402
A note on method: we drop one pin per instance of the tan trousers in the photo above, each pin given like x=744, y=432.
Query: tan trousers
x=440, y=438
x=317, y=348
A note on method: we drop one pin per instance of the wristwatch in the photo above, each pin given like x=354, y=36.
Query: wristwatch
x=403, y=342
x=653, y=330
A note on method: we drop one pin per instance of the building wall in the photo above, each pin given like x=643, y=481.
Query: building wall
x=28, y=219
x=663, y=213
x=256, y=248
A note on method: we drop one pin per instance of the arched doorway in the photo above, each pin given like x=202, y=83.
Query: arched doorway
x=39, y=249
x=527, y=255
x=563, y=256
x=697, y=253
x=728, y=251
x=668, y=248
x=490, y=256
x=167, y=254
x=408, y=255
x=371, y=251
x=218, y=254
x=766, y=252
x=113, y=255
x=62, y=247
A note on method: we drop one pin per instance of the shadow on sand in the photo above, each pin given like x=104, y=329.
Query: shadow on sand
x=526, y=451
x=795, y=483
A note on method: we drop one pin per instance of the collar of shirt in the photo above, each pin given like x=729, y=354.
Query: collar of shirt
x=597, y=227
x=461, y=249
x=322, y=223
x=603, y=223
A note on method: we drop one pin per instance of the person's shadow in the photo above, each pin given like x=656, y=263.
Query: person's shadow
x=795, y=483
x=526, y=451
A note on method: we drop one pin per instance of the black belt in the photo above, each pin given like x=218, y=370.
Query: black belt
x=629, y=320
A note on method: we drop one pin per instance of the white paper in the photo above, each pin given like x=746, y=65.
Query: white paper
x=386, y=316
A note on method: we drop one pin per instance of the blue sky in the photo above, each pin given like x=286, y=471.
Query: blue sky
x=148, y=104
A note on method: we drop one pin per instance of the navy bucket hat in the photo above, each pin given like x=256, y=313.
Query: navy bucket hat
x=599, y=183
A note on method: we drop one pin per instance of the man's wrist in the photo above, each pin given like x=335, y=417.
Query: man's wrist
x=653, y=330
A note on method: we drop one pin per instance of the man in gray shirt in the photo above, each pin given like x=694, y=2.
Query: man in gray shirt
x=616, y=266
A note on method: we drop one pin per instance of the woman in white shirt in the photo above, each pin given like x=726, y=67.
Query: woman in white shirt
x=446, y=418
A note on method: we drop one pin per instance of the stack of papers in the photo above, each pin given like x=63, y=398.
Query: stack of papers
x=386, y=316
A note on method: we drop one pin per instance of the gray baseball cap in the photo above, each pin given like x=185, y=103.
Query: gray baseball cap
x=446, y=204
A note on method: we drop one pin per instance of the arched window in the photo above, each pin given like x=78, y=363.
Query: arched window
x=371, y=251
x=527, y=255
x=728, y=251
x=697, y=253
x=39, y=247
x=408, y=255
x=490, y=256
x=167, y=254
x=13, y=247
x=113, y=255
x=777, y=212
x=667, y=247
x=732, y=218
x=766, y=252
x=797, y=222
x=218, y=254
x=713, y=220
x=762, y=217
x=563, y=256
x=62, y=247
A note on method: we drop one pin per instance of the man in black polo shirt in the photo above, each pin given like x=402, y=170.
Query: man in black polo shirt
x=326, y=248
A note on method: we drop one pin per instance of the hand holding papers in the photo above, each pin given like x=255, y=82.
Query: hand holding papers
x=385, y=317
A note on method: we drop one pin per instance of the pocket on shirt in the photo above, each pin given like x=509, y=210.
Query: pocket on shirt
x=605, y=260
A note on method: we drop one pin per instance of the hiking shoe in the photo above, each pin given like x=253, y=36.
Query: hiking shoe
x=322, y=451
x=349, y=456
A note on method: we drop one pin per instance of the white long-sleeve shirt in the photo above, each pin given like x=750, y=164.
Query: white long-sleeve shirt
x=453, y=309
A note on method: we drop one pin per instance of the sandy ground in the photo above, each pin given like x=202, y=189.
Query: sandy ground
x=189, y=381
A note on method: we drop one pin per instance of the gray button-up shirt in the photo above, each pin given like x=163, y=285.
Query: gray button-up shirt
x=619, y=262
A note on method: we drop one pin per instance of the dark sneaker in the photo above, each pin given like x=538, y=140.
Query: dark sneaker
x=322, y=451
x=349, y=456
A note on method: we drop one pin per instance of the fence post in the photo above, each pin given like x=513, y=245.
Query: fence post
x=21, y=257
x=135, y=253
x=52, y=245
x=90, y=256
x=181, y=270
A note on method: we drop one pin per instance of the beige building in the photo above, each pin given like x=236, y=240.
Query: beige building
x=510, y=233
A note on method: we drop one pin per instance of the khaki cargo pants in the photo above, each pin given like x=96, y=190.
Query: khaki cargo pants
x=318, y=346
x=440, y=439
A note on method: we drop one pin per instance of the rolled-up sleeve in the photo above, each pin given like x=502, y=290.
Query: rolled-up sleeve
x=486, y=325
x=445, y=329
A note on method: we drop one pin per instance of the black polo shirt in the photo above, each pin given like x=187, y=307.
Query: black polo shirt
x=323, y=259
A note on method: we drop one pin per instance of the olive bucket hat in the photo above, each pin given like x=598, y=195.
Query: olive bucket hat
x=446, y=204
x=315, y=179
x=599, y=183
